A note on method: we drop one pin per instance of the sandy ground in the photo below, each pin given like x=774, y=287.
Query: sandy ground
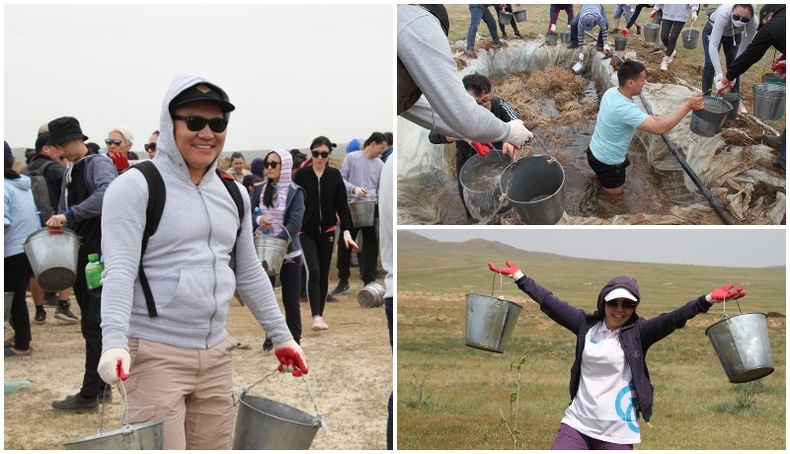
x=350, y=377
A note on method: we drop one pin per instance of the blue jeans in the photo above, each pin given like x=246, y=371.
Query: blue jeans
x=575, y=30
x=730, y=46
x=480, y=12
x=620, y=9
x=554, y=13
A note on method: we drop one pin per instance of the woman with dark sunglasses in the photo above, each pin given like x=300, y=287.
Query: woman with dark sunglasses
x=119, y=145
x=730, y=27
x=277, y=210
x=325, y=202
x=610, y=384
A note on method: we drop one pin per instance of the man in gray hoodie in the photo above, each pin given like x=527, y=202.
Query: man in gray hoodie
x=181, y=353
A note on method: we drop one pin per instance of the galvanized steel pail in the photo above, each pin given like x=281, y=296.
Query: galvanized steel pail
x=742, y=345
x=265, y=424
x=53, y=256
x=489, y=321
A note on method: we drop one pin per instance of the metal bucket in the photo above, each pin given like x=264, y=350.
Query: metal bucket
x=708, y=121
x=551, y=38
x=9, y=299
x=537, y=189
x=363, y=212
x=651, y=32
x=265, y=424
x=521, y=15
x=769, y=101
x=565, y=37
x=505, y=17
x=147, y=435
x=620, y=43
x=742, y=345
x=578, y=68
x=480, y=180
x=53, y=256
x=735, y=100
x=371, y=296
x=690, y=38
x=489, y=321
x=271, y=252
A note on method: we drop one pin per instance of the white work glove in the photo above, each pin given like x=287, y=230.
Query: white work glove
x=519, y=134
x=108, y=365
x=360, y=192
x=511, y=271
x=720, y=86
x=693, y=16
x=350, y=244
x=291, y=358
x=607, y=49
x=581, y=56
x=552, y=28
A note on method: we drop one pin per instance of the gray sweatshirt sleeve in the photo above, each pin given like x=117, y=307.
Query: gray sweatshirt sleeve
x=101, y=171
x=716, y=33
x=425, y=52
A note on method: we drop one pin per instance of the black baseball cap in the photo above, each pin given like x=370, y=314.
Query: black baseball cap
x=202, y=91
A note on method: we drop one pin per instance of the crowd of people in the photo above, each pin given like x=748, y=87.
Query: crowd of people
x=163, y=303
x=744, y=33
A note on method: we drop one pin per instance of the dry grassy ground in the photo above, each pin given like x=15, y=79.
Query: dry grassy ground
x=350, y=377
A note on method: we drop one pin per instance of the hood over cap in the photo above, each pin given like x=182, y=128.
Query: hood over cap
x=620, y=282
x=166, y=143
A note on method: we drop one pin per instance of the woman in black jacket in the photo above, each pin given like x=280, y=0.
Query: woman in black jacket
x=325, y=202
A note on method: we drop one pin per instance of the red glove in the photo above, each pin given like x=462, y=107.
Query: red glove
x=511, y=268
x=624, y=32
x=726, y=293
x=119, y=371
x=653, y=14
x=120, y=160
x=779, y=66
x=482, y=148
x=291, y=358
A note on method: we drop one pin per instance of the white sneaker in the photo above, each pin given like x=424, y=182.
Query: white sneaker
x=671, y=57
x=318, y=321
x=664, y=65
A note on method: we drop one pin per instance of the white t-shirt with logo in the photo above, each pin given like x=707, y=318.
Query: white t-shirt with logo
x=605, y=405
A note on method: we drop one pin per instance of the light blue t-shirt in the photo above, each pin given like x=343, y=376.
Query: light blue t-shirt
x=618, y=118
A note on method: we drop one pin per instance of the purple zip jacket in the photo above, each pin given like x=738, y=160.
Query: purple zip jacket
x=636, y=336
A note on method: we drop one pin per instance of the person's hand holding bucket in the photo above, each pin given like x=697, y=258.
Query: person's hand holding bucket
x=291, y=358
x=350, y=244
x=725, y=293
x=114, y=365
x=511, y=271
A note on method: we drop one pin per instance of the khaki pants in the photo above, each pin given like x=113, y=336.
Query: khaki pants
x=190, y=389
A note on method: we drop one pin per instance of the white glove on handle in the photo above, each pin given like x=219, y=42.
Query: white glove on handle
x=108, y=364
x=360, y=192
x=607, y=49
x=291, y=358
x=552, y=28
x=519, y=134
x=350, y=244
x=581, y=56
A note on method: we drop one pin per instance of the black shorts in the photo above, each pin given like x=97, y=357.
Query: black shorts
x=610, y=175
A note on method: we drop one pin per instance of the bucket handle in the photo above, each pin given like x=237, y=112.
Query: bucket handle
x=290, y=240
x=724, y=308
x=501, y=291
x=319, y=416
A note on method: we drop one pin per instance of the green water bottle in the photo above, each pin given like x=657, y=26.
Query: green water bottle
x=93, y=272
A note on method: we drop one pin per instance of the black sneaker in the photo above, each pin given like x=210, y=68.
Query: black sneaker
x=52, y=301
x=518, y=35
x=638, y=29
x=573, y=46
x=41, y=316
x=342, y=287
x=331, y=299
x=76, y=404
x=64, y=313
x=772, y=140
x=268, y=345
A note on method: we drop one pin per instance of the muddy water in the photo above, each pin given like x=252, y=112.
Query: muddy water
x=643, y=191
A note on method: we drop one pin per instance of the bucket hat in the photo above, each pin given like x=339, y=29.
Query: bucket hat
x=63, y=129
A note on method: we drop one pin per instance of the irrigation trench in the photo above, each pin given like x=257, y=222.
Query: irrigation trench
x=725, y=216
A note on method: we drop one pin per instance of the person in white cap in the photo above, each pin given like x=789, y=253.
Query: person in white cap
x=610, y=385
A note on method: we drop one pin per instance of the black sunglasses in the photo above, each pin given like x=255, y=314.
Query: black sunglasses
x=624, y=304
x=116, y=142
x=745, y=20
x=323, y=154
x=150, y=146
x=195, y=123
x=272, y=164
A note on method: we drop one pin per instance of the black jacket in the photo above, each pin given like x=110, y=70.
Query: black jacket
x=324, y=199
x=771, y=34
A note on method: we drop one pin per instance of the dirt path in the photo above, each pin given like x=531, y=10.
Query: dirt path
x=350, y=377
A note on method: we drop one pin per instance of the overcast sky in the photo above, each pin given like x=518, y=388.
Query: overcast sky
x=749, y=248
x=294, y=72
